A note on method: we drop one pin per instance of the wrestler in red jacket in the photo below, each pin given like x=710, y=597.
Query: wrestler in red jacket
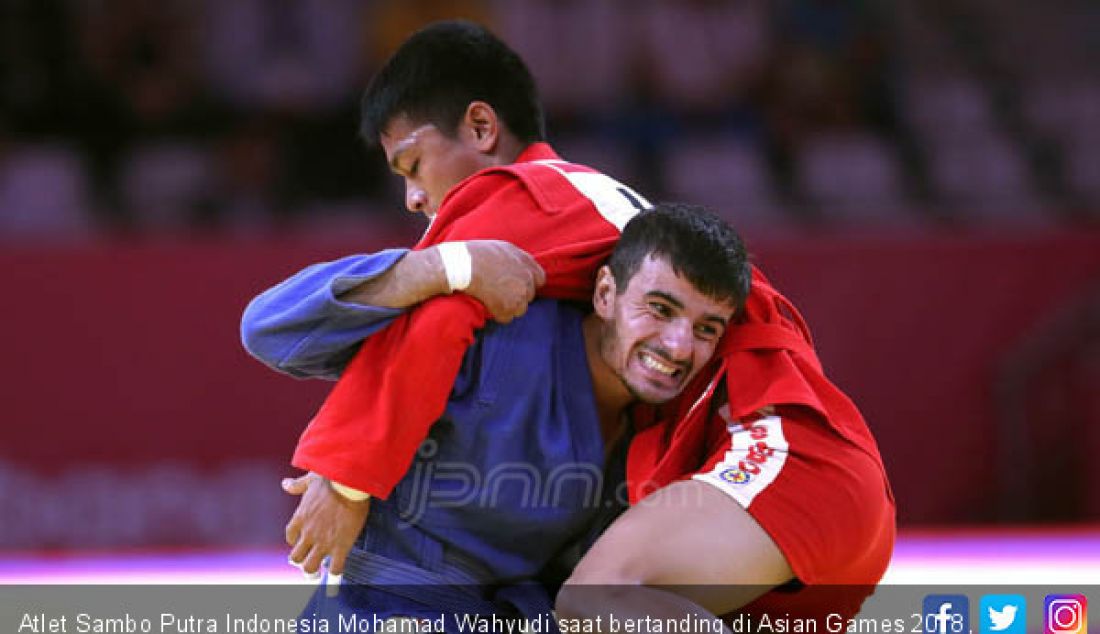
x=764, y=427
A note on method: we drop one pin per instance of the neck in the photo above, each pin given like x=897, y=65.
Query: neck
x=508, y=150
x=612, y=397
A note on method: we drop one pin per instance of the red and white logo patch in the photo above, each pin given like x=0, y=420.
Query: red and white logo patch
x=757, y=453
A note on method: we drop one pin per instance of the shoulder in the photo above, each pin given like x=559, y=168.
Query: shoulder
x=554, y=185
x=542, y=183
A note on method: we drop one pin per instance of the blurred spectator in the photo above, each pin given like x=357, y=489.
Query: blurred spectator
x=149, y=112
x=391, y=22
x=141, y=80
x=691, y=64
x=578, y=51
x=702, y=54
x=249, y=171
x=291, y=56
x=293, y=68
x=831, y=71
x=147, y=53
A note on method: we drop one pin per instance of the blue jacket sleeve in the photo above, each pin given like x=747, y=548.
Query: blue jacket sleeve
x=300, y=328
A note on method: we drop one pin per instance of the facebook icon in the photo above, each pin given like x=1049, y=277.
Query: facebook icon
x=946, y=614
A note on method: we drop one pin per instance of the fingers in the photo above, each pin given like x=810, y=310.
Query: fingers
x=503, y=257
x=527, y=263
x=312, y=564
x=538, y=275
x=307, y=557
x=311, y=558
x=520, y=310
x=506, y=278
x=293, y=530
x=512, y=299
x=300, y=551
x=338, y=557
x=324, y=527
x=532, y=287
x=296, y=486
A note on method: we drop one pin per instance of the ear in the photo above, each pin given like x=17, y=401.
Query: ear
x=603, y=298
x=481, y=126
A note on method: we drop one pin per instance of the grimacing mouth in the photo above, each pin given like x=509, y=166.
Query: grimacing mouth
x=658, y=361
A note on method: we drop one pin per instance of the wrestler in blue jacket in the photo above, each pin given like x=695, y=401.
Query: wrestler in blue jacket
x=513, y=472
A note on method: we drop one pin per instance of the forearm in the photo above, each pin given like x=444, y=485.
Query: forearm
x=413, y=279
x=303, y=328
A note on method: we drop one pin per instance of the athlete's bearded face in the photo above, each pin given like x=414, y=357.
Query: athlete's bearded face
x=659, y=332
x=430, y=161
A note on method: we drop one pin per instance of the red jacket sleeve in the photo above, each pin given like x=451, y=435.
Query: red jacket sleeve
x=370, y=426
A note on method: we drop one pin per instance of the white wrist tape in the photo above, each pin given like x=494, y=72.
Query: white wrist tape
x=355, y=495
x=457, y=264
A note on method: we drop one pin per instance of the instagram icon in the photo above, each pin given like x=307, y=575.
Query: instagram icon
x=1066, y=614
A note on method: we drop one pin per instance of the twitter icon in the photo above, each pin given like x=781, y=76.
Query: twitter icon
x=1003, y=614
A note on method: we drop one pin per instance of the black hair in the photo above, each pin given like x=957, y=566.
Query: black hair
x=439, y=70
x=698, y=245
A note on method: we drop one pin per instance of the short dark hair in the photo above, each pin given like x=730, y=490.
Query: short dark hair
x=700, y=247
x=439, y=70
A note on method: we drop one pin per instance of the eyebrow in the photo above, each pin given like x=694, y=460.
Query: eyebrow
x=404, y=144
x=678, y=304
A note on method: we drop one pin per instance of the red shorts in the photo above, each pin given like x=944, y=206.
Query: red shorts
x=824, y=501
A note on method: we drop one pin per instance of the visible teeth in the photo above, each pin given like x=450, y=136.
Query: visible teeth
x=653, y=363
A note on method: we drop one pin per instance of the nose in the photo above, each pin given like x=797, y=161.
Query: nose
x=416, y=199
x=678, y=338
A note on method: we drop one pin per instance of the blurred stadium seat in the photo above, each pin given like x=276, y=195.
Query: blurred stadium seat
x=1082, y=166
x=948, y=107
x=605, y=154
x=1063, y=109
x=985, y=178
x=853, y=177
x=577, y=50
x=44, y=193
x=166, y=186
x=727, y=175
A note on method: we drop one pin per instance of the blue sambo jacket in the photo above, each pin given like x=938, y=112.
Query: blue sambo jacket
x=508, y=478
